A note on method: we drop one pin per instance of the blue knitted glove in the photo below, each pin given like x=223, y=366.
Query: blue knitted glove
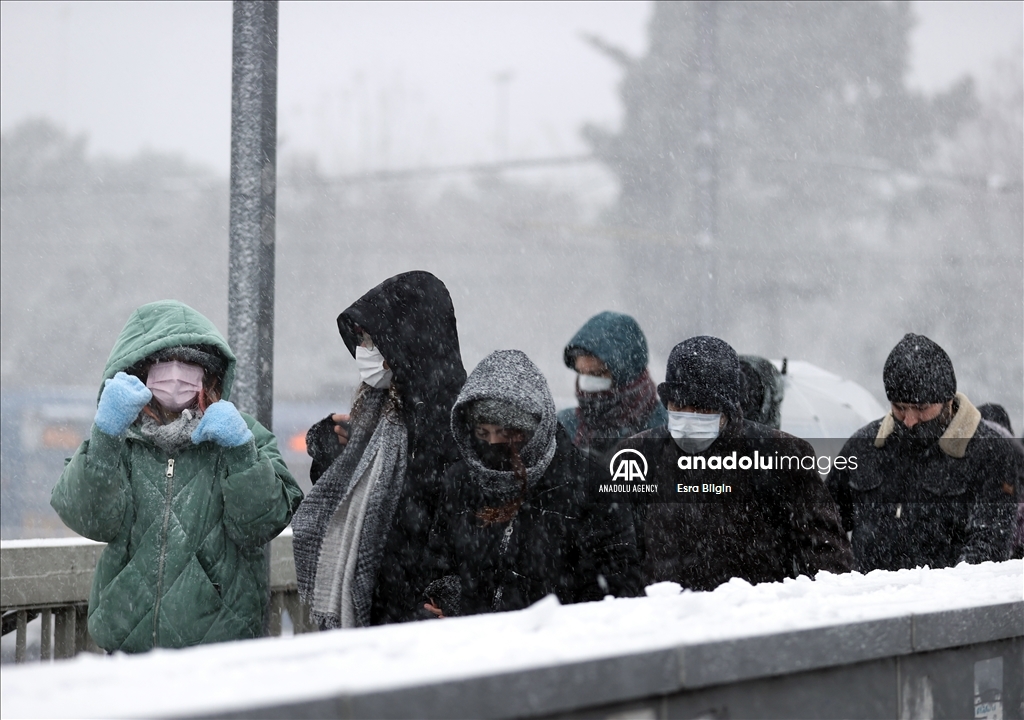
x=121, y=401
x=223, y=425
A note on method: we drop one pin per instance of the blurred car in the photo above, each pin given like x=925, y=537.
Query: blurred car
x=39, y=429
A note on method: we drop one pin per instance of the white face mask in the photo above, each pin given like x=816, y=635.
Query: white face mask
x=371, y=368
x=693, y=432
x=593, y=383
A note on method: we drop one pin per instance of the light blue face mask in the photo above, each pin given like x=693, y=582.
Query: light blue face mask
x=693, y=432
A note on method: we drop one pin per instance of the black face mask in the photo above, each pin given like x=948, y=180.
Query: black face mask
x=496, y=457
x=923, y=432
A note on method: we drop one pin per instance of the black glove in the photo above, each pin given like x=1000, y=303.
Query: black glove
x=322, y=445
x=446, y=594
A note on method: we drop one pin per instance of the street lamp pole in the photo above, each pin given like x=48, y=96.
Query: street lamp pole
x=252, y=211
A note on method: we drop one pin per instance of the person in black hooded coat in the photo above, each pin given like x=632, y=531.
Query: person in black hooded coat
x=361, y=534
x=519, y=521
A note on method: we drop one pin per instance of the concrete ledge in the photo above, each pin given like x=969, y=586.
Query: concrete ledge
x=524, y=693
x=282, y=563
x=47, y=574
x=657, y=674
x=52, y=572
x=766, y=655
x=847, y=645
x=935, y=631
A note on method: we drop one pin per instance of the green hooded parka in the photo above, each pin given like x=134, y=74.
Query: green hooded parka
x=184, y=562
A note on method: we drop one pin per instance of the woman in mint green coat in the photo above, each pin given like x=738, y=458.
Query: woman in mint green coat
x=185, y=490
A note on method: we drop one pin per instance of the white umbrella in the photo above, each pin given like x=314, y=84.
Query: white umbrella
x=820, y=404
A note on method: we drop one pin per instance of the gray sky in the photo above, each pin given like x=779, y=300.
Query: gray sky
x=374, y=85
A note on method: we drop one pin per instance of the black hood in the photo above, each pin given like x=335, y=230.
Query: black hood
x=412, y=321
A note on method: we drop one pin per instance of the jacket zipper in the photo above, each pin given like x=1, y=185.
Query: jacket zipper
x=169, y=474
x=502, y=551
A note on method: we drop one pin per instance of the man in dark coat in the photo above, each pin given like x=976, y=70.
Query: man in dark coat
x=519, y=521
x=933, y=485
x=776, y=523
x=372, y=542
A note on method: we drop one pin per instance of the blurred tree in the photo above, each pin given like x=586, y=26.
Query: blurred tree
x=991, y=144
x=804, y=90
x=37, y=153
x=84, y=240
x=813, y=135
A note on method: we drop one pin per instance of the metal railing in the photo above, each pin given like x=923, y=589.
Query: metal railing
x=51, y=579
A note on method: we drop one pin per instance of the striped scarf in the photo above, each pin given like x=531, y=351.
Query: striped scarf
x=342, y=526
x=619, y=412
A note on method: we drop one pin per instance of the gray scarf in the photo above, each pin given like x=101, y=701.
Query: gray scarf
x=173, y=436
x=341, y=527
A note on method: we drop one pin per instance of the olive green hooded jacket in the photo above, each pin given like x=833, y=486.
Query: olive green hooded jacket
x=184, y=562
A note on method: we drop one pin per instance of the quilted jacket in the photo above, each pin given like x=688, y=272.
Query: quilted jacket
x=186, y=534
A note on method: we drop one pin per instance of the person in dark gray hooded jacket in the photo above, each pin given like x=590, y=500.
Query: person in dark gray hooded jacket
x=518, y=522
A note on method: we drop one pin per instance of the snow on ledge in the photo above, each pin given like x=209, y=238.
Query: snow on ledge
x=47, y=543
x=76, y=541
x=277, y=671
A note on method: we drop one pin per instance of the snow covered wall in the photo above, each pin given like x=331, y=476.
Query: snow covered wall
x=913, y=643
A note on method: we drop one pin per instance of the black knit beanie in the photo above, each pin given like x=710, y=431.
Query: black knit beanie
x=703, y=372
x=918, y=371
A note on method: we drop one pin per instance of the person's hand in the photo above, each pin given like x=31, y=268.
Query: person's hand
x=444, y=594
x=341, y=427
x=223, y=425
x=121, y=401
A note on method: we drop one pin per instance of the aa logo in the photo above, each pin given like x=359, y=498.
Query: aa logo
x=628, y=465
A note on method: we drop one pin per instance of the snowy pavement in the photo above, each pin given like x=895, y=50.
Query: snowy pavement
x=277, y=671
